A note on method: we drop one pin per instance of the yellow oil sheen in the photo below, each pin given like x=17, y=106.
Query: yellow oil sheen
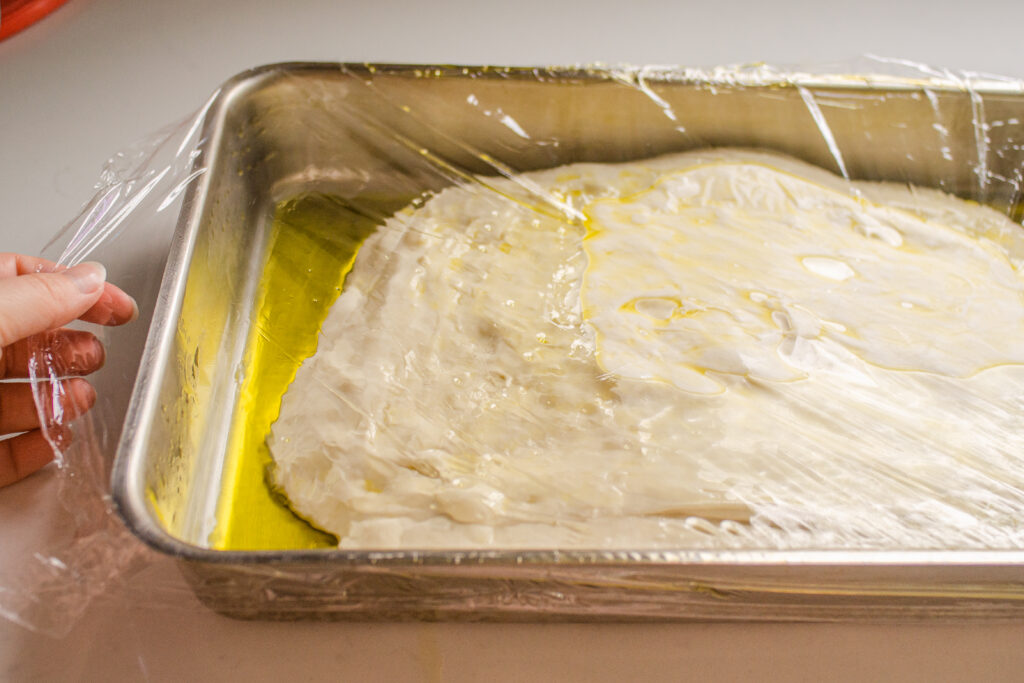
x=313, y=243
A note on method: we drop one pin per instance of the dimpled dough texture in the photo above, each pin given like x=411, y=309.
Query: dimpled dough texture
x=715, y=349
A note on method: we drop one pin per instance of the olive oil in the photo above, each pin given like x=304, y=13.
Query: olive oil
x=314, y=239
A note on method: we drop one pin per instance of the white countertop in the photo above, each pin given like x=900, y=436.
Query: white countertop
x=99, y=74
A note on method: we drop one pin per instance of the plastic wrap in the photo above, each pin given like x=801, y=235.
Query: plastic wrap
x=85, y=549
x=288, y=171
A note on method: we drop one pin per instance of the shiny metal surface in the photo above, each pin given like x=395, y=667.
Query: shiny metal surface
x=360, y=130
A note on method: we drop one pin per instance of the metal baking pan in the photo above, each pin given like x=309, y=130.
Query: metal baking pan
x=285, y=129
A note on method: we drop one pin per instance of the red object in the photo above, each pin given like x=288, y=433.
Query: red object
x=18, y=14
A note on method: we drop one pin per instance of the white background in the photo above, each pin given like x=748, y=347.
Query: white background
x=100, y=74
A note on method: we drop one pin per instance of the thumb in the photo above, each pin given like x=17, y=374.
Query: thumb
x=37, y=302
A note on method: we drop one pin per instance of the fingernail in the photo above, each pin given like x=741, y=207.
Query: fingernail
x=114, y=320
x=88, y=276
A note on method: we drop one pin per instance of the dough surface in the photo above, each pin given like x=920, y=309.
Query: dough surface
x=725, y=348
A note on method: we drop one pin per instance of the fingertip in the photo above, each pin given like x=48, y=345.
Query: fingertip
x=114, y=307
x=80, y=396
x=79, y=352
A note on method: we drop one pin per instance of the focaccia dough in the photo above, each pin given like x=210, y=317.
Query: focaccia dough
x=718, y=348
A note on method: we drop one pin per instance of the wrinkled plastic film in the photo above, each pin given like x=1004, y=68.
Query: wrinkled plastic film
x=139, y=187
x=379, y=212
x=918, y=514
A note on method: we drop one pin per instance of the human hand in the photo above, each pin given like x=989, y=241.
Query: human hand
x=39, y=298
